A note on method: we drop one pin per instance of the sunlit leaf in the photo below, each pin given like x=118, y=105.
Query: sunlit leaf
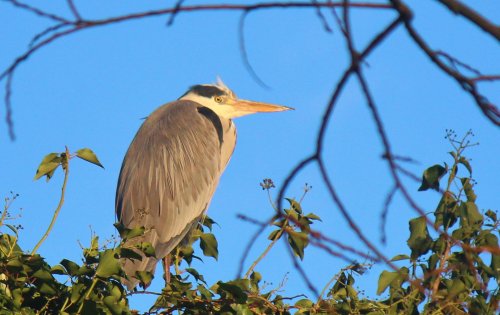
x=235, y=291
x=400, y=257
x=465, y=163
x=419, y=241
x=295, y=205
x=48, y=165
x=196, y=274
x=89, y=156
x=385, y=279
x=147, y=248
x=298, y=241
x=208, y=245
x=431, y=177
x=71, y=267
x=145, y=277
x=109, y=264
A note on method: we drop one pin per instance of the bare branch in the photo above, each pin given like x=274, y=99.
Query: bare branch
x=73, y=9
x=488, y=109
x=459, y=8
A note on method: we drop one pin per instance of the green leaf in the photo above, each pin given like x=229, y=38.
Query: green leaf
x=126, y=233
x=274, y=235
x=147, y=249
x=295, y=205
x=304, y=303
x=445, y=211
x=400, y=257
x=469, y=190
x=456, y=287
x=495, y=264
x=130, y=254
x=465, y=163
x=235, y=291
x=470, y=215
x=208, y=222
x=492, y=215
x=71, y=267
x=48, y=166
x=419, y=241
x=298, y=241
x=145, y=277
x=385, y=279
x=47, y=289
x=205, y=292
x=431, y=177
x=196, y=274
x=208, y=245
x=112, y=304
x=89, y=156
x=77, y=292
x=255, y=277
x=109, y=264
x=58, y=270
x=312, y=216
x=43, y=275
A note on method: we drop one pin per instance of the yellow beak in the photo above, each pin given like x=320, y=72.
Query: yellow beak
x=258, y=107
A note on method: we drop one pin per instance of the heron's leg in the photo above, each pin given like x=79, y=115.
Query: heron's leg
x=166, y=267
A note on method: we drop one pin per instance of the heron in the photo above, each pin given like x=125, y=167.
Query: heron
x=172, y=168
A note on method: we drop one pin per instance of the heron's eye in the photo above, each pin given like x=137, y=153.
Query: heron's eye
x=218, y=99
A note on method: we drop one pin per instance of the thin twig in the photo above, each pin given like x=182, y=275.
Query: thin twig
x=59, y=206
x=73, y=9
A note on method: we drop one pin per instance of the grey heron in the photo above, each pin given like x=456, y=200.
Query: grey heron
x=173, y=166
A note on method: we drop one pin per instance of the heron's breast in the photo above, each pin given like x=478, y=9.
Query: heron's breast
x=229, y=142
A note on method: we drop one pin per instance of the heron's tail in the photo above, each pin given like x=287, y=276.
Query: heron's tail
x=132, y=266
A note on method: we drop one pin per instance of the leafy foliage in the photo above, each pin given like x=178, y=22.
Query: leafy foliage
x=452, y=267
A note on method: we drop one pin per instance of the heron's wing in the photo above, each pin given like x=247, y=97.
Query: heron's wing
x=170, y=171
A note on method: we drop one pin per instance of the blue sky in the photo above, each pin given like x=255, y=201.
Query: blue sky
x=92, y=89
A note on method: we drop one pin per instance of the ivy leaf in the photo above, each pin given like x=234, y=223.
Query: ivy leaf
x=209, y=245
x=431, y=177
x=196, y=274
x=465, y=163
x=312, y=216
x=130, y=254
x=304, y=303
x=455, y=287
x=295, y=205
x=419, y=241
x=235, y=291
x=469, y=190
x=109, y=264
x=147, y=248
x=400, y=257
x=144, y=277
x=113, y=305
x=385, y=279
x=205, y=292
x=492, y=215
x=298, y=241
x=470, y=215
x=274, y=235
x=48, y=166
x=71, y=267
x=89, y=156
x=126, y=233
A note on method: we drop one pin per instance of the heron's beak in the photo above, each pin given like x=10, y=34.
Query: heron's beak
x=258, y=107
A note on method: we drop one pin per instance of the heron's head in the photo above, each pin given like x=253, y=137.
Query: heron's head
x=219, y=98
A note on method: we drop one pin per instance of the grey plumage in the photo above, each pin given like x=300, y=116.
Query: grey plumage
x=172, y=169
